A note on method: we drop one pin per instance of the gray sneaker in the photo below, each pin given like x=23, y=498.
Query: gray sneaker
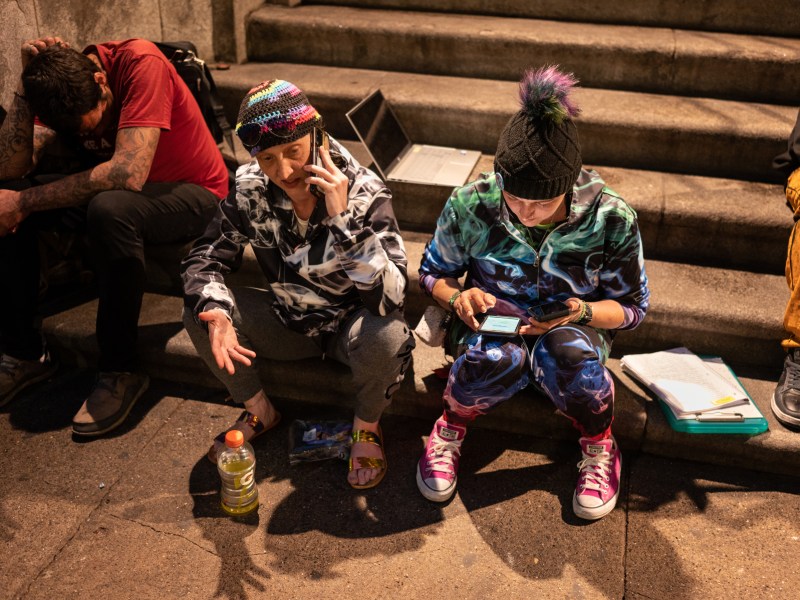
x=16, y=375
x=108, y=405
x=786, y=399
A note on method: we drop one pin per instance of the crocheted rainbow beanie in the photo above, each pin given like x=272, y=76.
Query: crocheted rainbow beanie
x=275, y=112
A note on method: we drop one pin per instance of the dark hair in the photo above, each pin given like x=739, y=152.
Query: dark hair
x=60, y=87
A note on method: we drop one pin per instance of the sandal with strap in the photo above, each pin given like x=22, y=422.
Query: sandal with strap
x=368, y=462
x=246, y=419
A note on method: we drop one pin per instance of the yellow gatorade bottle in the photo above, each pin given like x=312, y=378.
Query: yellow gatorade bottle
x=237, y=470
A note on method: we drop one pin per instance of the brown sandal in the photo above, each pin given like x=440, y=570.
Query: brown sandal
x=247, y=419
x=368, y=462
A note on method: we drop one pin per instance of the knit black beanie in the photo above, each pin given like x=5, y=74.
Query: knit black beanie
x=538, y=155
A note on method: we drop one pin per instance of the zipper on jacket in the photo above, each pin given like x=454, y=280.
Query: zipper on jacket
x=544, y=241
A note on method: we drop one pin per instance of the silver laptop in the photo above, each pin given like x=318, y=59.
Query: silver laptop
x=396, y=157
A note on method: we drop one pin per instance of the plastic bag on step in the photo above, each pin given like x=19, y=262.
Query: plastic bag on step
x=319, y=440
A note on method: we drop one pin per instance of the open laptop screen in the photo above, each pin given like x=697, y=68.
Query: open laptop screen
x=380, y=130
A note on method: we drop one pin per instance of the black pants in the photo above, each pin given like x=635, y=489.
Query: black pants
x=118, y=224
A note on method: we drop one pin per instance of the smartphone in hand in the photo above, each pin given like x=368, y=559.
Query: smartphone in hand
x=549, y=311
x=318, y=139
x=498, y=325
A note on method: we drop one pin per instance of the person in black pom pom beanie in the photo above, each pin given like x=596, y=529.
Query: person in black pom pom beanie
x=539, y=234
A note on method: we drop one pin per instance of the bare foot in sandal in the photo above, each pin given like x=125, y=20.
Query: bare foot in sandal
x=258, y=418
x=367, y=461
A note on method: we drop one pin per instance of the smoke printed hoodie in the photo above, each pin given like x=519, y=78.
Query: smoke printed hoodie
x=353, y=259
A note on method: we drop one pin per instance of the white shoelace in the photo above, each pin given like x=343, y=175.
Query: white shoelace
x=444, y=451
x=595, y=471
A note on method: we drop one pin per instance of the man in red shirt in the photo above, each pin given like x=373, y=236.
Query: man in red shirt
x=150, y=174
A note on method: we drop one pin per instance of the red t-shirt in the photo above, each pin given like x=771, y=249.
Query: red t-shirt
x=149, y=93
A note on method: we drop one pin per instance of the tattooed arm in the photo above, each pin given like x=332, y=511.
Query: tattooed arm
x=135, y=148
x=16, y=139
x=20, y=142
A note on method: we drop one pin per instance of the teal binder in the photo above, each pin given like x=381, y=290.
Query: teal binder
x=728, y=421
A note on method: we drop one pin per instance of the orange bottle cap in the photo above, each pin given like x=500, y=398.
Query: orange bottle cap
x=234, y=438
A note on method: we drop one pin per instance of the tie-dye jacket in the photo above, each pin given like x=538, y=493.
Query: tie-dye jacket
x=595, y=254
x=344, y=262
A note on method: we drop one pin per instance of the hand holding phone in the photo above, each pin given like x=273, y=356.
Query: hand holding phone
x=318, y=139
x=330, y=166
x=549, y=311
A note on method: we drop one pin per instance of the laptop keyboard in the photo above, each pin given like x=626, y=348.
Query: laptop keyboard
x=424, y=164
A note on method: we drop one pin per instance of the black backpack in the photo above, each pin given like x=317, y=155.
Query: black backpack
x=197, y=76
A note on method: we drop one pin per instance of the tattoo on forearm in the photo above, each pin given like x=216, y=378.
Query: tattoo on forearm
x=128, y=169
x=16, y=139
x=69, y=191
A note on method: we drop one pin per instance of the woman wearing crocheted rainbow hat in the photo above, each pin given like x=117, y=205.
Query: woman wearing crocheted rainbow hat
x=325, y=236
x=539, y=229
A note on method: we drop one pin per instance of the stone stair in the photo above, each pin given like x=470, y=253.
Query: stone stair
x=733, y=16
x=683, y=123
x=620, y=57
x=700, y=136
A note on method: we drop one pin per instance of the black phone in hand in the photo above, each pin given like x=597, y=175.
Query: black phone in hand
x=318, y=139
x=549, y=311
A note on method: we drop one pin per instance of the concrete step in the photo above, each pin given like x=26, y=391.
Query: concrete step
x=683, y=218
x=658, y=60
x=706, y=15
x=638, y=423
x=699, y=136
x=733, y=314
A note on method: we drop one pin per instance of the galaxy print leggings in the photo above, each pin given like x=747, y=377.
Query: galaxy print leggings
x=565, y=363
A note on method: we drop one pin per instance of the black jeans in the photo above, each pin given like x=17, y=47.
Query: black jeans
x=118, y=224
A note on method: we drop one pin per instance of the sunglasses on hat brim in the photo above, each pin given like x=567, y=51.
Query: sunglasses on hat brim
x=251, y=134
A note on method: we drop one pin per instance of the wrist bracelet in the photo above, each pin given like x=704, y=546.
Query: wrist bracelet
x=586, y=314
x=580, y=313
x=453, y=298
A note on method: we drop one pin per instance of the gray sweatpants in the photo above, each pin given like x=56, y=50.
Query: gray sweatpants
x=377, y=349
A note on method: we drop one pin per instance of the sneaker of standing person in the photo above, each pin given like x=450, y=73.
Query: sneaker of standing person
x=437, y=471
x=16, y=374
x=109, y=403
x=598, y=483
x=786, y=399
